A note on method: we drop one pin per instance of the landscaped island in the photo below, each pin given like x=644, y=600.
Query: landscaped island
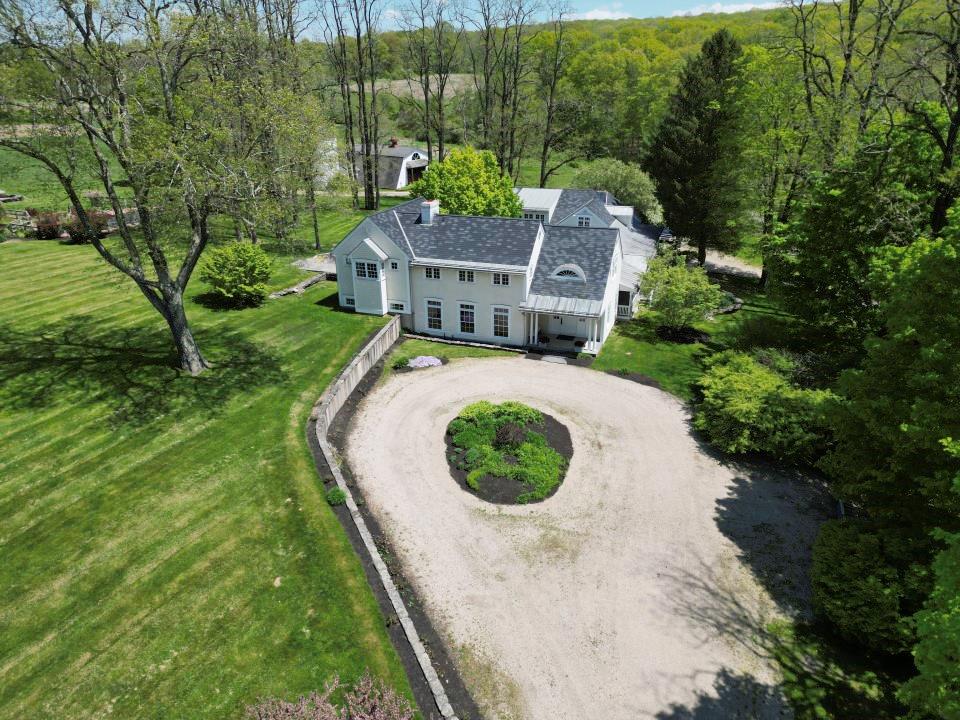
x=508, y=453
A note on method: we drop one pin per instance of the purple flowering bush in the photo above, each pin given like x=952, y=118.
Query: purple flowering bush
x=368, y=699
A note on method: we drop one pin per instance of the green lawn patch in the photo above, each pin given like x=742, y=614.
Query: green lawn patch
x=168, y=550
x=508, y=452
x=408, y=348
x=633, y=347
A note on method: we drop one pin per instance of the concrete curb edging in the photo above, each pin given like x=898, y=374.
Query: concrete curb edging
x=332, y=398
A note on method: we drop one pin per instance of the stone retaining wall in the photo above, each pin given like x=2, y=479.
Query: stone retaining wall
x=339, y=390
x=324, y=413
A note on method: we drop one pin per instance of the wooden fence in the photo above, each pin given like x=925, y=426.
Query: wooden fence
x=339, y=390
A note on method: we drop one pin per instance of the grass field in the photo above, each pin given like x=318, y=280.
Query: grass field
x=166, y=548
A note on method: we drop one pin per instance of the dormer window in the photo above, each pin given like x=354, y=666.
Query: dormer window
x=583, y=221
x=570, y=272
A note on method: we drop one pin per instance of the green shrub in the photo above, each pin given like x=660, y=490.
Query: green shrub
x=336, y=496
x=680, y=294
x=48, y=225
x=748, y=407
x=238, y=273
x=399, y=362
x=856, y=589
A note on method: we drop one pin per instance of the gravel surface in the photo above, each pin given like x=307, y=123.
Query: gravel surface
x=639, y=590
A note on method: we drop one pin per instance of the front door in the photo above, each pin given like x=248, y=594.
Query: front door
x=555, y=325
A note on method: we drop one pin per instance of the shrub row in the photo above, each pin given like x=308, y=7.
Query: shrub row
x=749, y=407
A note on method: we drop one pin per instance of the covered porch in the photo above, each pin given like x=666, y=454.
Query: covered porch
x=564, y=333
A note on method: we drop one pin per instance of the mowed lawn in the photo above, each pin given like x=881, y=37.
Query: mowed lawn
x=165, y=548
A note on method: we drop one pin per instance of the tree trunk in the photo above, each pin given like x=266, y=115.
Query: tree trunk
x=702, y=253
x=188, y=352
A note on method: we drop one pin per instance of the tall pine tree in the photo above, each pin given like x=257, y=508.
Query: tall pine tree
x=695, y=155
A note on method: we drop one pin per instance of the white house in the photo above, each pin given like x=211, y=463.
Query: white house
x=398, y=165
x=593, y=209
x=510, y=281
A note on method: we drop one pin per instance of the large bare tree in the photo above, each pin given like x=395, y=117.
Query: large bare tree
x=351, y=28
x=930, y=95
x=136, y=84
x=845, y=53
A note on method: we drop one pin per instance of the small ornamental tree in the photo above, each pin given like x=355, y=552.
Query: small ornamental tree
x=238, y=274
x=627, y=182
x=680, y=294
x=368, y=699
x=469, y=182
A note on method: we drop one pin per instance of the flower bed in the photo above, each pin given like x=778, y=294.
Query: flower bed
x=508, y=453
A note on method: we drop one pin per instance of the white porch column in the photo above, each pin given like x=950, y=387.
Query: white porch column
x=536, y=328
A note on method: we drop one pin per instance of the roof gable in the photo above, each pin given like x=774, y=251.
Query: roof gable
x=587, y=250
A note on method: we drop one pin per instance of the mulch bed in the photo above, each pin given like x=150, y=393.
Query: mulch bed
x=505, y=491
x=683, y=336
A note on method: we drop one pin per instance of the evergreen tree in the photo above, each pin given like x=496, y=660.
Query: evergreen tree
x=695, y=155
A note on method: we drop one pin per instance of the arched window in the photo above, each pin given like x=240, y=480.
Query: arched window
x=569, y=271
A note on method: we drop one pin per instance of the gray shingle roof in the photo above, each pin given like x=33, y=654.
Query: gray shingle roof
x=590, y=249
x=572, y=200
x=460, y=238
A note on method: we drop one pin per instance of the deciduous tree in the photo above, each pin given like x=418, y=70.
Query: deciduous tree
x=163, y=132
x=469, y=182
x=627, y=182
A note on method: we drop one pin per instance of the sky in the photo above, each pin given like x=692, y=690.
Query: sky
x=603, y=10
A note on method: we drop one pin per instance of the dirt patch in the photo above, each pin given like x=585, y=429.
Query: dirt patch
x=683, y=335
x=505, y=491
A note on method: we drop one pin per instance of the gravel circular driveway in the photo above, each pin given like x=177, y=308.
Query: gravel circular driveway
x=620, y=597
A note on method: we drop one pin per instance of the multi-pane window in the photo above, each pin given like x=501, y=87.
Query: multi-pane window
x=501, y=322
x=535, y=216
x=468, y=313
x=397, y=307
x=349, y=301
x=366, y=269
x=432, y=273
x=466, y=276
x=583, y=221
x=501, y=279
x=434, y=314
x=394, y=265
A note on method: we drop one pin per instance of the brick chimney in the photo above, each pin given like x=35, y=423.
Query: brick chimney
x=429, y=209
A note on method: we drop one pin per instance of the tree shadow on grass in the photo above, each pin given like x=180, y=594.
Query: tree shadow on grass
x=132, y=371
